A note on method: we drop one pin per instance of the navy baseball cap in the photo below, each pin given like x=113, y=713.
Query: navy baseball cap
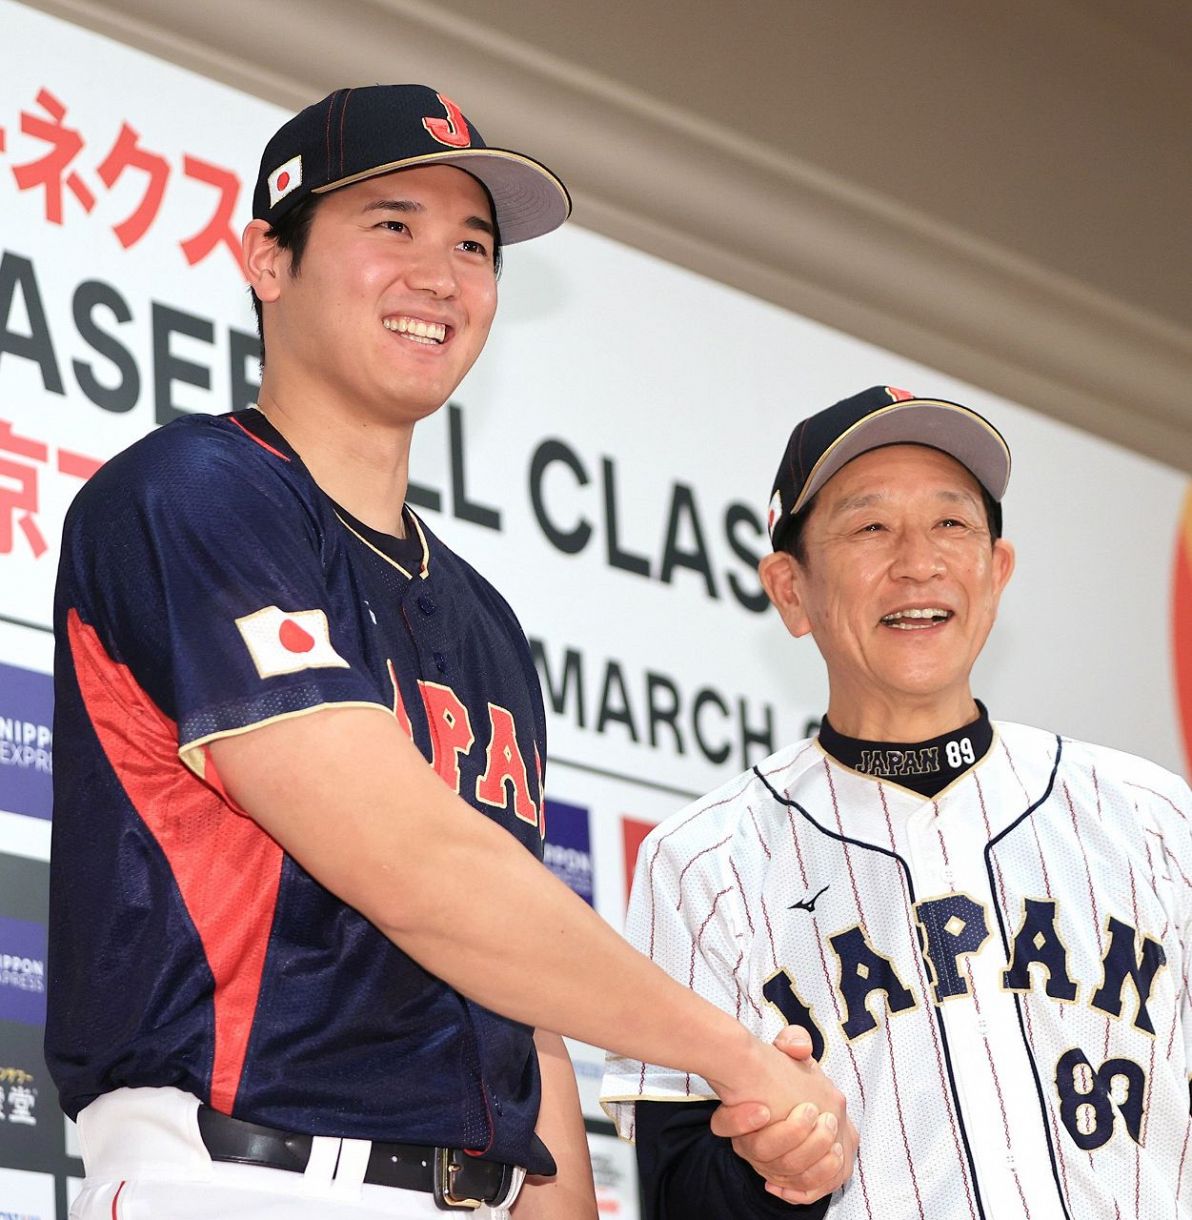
x=821, y=444
x=353, y=134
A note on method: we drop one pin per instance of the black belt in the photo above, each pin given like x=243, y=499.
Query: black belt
x=459, y=1182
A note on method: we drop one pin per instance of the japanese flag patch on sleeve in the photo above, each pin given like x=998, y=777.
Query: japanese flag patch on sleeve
x=285, y=642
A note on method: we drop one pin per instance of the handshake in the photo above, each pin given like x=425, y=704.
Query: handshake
x=805, y=1150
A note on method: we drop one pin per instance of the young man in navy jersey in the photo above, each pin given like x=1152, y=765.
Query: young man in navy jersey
x=969, y=918
x=293, y=972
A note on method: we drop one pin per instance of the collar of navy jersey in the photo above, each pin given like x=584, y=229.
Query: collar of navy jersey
x=254, y=421
x=926, y=767
x=409, y=555
x=389, y=547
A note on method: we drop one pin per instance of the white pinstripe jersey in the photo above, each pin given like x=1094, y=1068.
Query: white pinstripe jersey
x=998, y=974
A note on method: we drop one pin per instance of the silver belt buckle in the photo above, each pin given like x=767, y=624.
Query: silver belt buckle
x=446, y=1200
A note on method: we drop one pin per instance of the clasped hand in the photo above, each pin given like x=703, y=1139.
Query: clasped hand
x=805, y=1154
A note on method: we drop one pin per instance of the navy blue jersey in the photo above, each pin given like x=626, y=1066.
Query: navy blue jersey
x=208, y=586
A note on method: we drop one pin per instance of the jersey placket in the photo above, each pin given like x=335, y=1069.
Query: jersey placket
x=999, y=1106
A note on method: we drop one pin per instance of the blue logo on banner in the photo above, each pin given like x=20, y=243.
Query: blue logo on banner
x=26, y=741
x=22, y=971
x=567, y=851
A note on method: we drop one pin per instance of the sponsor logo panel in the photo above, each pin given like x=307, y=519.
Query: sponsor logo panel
x=31, y=1133
x=567, y=851
x=22, y=971
x=24, y=885
x=633, y=831
x=26, y=741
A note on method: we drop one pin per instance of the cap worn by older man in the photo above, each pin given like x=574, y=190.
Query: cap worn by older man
x=969, y=918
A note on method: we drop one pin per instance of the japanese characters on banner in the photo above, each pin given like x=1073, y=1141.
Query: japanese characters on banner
x=607, y=463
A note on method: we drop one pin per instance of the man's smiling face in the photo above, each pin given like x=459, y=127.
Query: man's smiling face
x=394, y=297
x=900, y=585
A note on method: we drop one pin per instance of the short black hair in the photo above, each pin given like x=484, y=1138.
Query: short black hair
x=794, y=543
x=292, y=232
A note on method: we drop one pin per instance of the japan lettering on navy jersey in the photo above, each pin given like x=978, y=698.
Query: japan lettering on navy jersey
x=996, y=977
x=208, y=586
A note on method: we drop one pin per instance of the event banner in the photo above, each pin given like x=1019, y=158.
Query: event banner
x=607, y=463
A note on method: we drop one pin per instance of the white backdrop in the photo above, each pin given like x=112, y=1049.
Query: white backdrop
x=624, y=404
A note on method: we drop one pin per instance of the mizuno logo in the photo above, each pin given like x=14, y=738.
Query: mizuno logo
x=806, y=904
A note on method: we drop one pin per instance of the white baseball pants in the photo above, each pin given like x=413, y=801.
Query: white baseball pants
x=145, y=1161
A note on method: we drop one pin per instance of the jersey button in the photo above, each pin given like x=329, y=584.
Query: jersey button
x=425, y=604
x=440, y=661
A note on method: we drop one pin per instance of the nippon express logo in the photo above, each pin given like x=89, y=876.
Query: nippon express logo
x=567, y=851
x=27, y=973
x=26, y=741
x=22, y=971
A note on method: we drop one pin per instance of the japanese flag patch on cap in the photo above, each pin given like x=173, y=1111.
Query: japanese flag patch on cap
x=286, y=178
x=282, y=642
